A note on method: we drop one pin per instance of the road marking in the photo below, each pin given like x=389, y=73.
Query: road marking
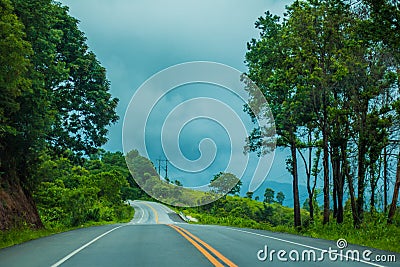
x=213, y=260
x=154, y=211
x=192, y=239
x=303, y=245
x=141, y=217
x=210, y=248
x=166, y=209
x=58, y=263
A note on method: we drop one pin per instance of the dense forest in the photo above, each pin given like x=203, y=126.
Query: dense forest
x=55, y=105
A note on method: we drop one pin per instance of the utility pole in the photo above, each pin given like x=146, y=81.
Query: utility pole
x=159, y=161
x=159, y=166
x=166, y=169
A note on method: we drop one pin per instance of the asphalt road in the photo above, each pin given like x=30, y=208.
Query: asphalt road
x=158, y=237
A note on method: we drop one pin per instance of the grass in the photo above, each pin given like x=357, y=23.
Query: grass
x=374, y=232
x=17, y=236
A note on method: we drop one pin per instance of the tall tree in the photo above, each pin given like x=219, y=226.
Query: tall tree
x=17, y=137
x=76, y=82
x=316, y=68
x=270, y=70
x=56, y=95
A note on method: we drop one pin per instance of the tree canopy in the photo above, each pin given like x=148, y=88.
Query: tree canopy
x=332, y=80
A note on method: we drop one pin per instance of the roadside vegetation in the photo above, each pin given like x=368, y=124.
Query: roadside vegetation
x=55, y=110
x=70, y=196
x=242, y=212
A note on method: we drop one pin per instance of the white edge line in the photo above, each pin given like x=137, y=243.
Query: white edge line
x=58, y=263
x=141, y=217
x=166, y=209
x=302, y=245
x=141, y=210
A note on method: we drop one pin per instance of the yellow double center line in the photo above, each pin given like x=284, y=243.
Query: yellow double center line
x=204, y=248
x=154, y=211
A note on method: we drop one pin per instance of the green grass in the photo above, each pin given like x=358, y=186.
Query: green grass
x=374, y=232
x=21, y=235
x=239, y=222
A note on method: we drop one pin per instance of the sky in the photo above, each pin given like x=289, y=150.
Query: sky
x=134, y=40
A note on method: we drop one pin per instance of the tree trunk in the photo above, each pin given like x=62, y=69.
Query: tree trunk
x=385, y=203
x=326, y=175
x=311, y=206
x=351, y=191
x=296, y=201
x=335, y=177
x=373, y=188
x=337, y=185
x=334, y=198
x=393, y=205
x=308, y=166
x=361, y=171
x=341, y=177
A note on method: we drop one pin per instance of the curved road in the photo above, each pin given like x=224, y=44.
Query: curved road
x=158, y=237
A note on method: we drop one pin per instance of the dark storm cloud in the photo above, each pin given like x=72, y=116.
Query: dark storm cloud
x=136, y=39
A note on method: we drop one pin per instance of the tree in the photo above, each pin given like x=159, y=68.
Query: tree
x=249, y=194
x=225, y=183
x=15, y=52
x=393, y=205
x=54, y=93
x=77, y=96
x=280, y=197
x=17, y=144
x=383, y=27
x=269, y=195
x=269, y=69
x=178, y=183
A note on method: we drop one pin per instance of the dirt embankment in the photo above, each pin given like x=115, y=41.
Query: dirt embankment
x=17, y=208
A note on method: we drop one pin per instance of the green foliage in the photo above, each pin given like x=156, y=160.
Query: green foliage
x=249, y=194
x=77, y=89
x=225, y=183
x=260, y=212
x=330, y=68
x=15, y=63
x=72, y=195
x=54, y=101
x=246, y=213
x=280, y=197
x=145, y=176
x=269, y=195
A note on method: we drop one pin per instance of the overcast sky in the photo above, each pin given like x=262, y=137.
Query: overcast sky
x=136, y=39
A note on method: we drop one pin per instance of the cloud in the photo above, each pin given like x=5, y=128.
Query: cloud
x=136, y=39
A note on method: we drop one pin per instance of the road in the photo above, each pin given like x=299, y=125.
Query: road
x=157, y=236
